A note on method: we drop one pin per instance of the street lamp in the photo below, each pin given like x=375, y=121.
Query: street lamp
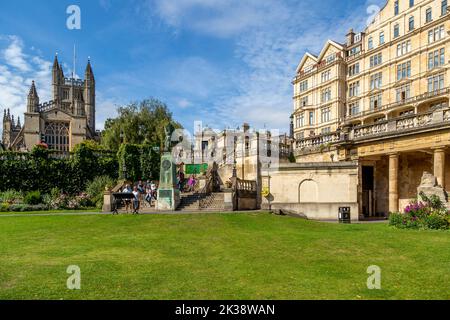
x=124, y=171
x=234, y=158
x=268, y=182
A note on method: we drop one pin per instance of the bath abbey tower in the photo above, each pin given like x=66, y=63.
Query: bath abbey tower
x=63, y=122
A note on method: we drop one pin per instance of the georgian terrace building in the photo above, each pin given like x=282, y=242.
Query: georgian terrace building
x=380, y=100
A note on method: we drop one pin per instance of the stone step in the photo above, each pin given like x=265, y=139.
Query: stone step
x=193, y=202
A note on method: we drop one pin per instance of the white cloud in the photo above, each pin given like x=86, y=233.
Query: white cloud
x=221, y=18
x=17, y=70
x=184, y=103
x=270, y=38
x=14, y=56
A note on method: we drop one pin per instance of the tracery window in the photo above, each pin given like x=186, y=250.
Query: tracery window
x=57, y=136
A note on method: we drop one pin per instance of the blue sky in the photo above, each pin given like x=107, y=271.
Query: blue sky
x=223, y=62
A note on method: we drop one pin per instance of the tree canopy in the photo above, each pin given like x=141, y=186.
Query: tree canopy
x=138, y=123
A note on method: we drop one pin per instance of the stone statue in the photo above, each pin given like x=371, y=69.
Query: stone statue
x=168, y=130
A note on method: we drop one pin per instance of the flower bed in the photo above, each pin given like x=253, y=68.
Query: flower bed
x=428, y=213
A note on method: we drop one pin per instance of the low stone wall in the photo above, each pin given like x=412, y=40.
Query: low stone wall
x=318, y=211
x=315, y=190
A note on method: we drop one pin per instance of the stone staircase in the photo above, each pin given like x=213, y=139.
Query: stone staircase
x=196, y=202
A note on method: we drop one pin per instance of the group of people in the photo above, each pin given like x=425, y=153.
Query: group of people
x=149, y=189
x=181, y=182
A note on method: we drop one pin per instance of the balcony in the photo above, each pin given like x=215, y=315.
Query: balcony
x=404, y=124
x=391, y=106
x=317, y=142
x=413, y=123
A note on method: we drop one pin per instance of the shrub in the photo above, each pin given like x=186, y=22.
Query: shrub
x=33, y=198
x=22, y=208
x=429, y=214
x=43, y=169
x=96, y=188
x=11, y=197
x=436, y=222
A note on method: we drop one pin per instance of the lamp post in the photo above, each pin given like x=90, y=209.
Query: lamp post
x=124, y=171
x=268, y=182
x=234, y=158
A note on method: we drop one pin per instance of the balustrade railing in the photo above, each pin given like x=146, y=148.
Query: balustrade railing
x=317, y=141
x=376, y=128
x=439, y=116
x=393, y=105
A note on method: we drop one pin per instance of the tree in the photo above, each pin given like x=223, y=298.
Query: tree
x=138, y=123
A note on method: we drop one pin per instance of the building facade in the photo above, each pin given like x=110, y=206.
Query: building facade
x=65, y=121
x=379, y=101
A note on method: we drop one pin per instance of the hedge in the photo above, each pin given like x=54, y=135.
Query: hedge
x=138, y=162
x=44, y=170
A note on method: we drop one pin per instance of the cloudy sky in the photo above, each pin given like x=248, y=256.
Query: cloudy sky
x=223, y=62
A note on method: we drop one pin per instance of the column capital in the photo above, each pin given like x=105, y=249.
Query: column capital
x=393, y=154
x=439, y=149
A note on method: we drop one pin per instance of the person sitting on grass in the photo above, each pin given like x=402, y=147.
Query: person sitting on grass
x=136, y=201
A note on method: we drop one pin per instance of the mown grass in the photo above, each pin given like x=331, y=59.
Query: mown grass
x=91, y=210
x=217, y=256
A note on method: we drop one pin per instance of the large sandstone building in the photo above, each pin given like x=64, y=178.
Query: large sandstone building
x=371, y=115
x=63, y=122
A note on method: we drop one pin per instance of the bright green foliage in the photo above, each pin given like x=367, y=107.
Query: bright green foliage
x=138, y=162
x=10, y=197
x=138, y=123
x=44, y=170
x=33, y=198
x=96, y=188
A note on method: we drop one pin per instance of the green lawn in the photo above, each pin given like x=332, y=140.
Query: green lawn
x=217, y=256
x=49, y=211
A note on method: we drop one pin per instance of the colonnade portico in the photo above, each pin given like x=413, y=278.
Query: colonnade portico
x=438, y=161
x=393, y=182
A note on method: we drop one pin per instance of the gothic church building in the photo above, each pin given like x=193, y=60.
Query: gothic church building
x=65, y=121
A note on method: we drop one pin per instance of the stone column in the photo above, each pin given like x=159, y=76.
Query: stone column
x=393, y=183
x=439, y=166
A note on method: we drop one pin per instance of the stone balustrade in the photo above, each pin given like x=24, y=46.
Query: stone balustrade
x=413, y=100
x=318, y=141
x=429, y=119
x=369, y=130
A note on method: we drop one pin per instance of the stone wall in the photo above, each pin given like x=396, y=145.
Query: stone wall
x=316, y=190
